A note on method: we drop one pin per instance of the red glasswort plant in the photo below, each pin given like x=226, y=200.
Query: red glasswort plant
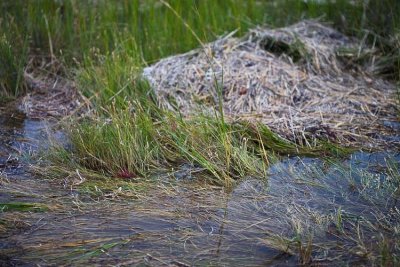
x=126, y=174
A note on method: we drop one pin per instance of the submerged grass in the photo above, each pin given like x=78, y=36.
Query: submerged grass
x=25, y=207
x=309, y=212
x=351, y=213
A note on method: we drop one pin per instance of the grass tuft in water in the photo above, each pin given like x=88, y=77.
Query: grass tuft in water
x=133, y=142
x=24, y=207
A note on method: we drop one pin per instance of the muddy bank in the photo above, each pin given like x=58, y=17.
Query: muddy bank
x=305, y=81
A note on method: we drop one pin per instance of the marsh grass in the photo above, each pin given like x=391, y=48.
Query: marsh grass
x=23, y=207
x=141, y=140
x=309, y=212
x=11, y=70
x=78, y=31
x=131, y=136
x=126, y=142
x=104, y=46
x=137, y=144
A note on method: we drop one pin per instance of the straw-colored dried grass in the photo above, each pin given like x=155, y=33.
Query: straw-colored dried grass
x=300, y=80
x=50, y=97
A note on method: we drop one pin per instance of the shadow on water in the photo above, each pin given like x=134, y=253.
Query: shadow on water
x=309, y=210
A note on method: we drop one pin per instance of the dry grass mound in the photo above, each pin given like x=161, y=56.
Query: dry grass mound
x=50, y=96
x=303, y=81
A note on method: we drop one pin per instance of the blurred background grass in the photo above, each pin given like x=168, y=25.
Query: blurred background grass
x=83, y=34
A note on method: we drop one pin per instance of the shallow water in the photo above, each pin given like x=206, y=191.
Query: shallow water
x=179, y=223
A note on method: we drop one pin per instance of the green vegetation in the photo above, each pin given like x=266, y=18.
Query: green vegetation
x=100, y=249
x=83, y=33
x=11, y=71
x=315, y=213
x=20, y=206
x=135, y=144
x=140, y=140
x=104, y=45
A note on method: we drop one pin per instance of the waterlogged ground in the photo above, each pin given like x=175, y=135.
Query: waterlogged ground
x=306, y=211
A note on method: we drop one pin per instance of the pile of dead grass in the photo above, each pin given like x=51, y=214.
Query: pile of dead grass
x=304, y=81
x=50, y=94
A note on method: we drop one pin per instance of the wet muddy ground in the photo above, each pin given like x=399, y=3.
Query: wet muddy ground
x=307, y=210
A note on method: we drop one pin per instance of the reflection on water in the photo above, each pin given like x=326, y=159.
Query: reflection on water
x=18, y=138
x=260, y=222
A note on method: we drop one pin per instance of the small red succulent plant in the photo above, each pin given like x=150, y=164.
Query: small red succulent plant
x=126, y=174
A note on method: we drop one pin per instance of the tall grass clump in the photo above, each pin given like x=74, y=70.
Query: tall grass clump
x=11, y=70
x=225, y=152
x=123, y=144
x=130, y=143
x=113, y=78
x=140, y=139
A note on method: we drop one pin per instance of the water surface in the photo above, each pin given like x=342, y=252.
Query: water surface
x=176, y=222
